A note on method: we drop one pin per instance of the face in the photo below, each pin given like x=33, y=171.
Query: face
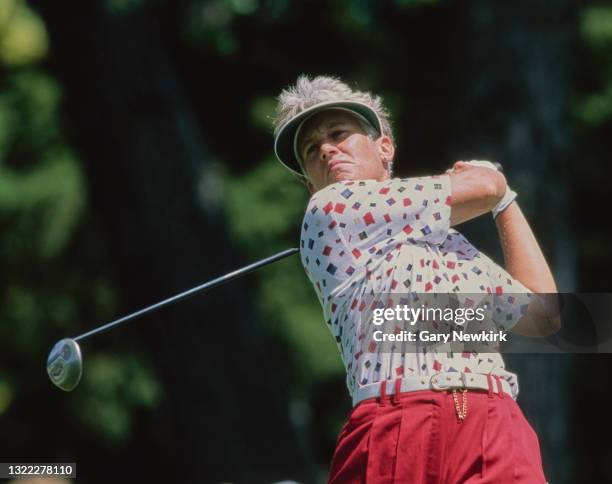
x=334, y=147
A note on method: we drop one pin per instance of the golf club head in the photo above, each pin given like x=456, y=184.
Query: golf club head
x=65, y=364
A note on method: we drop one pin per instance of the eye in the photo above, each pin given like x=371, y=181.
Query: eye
x=310, y=149
x=338, y=133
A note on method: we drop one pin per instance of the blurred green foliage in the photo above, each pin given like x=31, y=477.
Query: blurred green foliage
x=121, y=7
x=216, y=22
x=23, y=38
x=595, y=108
x=43, y=212
x=6, y=395
x=596, y=28
x=266, y=208
x=53, y=263
x=262, y=113
x=48, y=199
x=116, y=386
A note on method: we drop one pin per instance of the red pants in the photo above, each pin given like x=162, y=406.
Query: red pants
x=417, y=438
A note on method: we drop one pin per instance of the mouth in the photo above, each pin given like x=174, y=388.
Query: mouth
x=336, y=165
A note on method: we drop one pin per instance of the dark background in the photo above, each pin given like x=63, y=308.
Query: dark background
x=135, y=162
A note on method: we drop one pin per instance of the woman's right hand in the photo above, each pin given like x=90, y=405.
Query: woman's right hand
x=475, y=190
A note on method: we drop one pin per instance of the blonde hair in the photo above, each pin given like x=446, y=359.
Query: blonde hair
x=308, y=92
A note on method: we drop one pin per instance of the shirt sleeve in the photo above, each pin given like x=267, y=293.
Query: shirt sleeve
x=510, y=298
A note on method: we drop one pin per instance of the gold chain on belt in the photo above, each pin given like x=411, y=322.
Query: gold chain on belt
x=461, y=413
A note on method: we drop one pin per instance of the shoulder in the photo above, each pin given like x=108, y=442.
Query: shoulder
x=340, y=194
x=347, y=189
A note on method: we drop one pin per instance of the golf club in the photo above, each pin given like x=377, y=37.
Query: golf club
x=65, y=361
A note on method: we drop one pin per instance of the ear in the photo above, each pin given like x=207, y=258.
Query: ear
x=310, y=187
x=386, y=150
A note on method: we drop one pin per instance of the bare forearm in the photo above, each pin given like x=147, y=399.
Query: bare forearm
x=474, y=192
x=478, y=190
x=522, y=254
x=526, y=263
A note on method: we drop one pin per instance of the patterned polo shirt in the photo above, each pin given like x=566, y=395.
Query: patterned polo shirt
x=376, y=239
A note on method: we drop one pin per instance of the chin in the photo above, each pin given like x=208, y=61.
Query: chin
x=343, y=176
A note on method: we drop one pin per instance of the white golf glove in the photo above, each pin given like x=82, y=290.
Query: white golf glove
x=508, y=197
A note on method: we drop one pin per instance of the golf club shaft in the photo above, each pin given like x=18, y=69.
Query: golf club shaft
x=207, y=285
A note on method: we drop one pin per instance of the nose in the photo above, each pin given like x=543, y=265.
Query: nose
x=327, y=151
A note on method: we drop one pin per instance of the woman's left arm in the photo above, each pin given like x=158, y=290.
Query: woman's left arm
x=526, y=263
